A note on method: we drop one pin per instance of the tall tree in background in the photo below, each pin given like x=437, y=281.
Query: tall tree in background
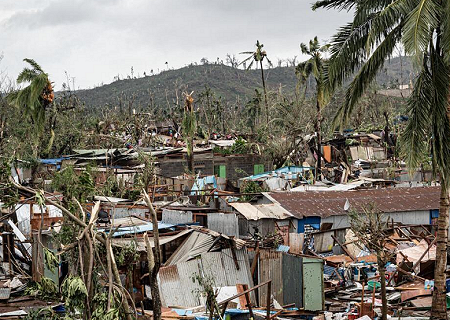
x=258, y=56
x=189, y=127
x=34, y=98
x=362, y=46
x=315, y=66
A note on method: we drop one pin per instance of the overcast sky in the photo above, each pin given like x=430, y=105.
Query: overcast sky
x=94, y=40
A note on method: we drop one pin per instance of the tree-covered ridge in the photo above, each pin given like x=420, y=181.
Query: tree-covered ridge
x=230, y=83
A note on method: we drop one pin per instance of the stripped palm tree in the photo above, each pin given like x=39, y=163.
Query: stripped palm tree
x=315, y=66
x=35, y=98
x=189, y=126
x=362, y=46
x=258, y=56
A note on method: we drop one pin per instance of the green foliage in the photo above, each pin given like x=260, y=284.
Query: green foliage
x=126, y=255
x=42, y=313
x=74, y=292
x=72, y=185
x=240, y=146
x=363, y=46
x=8, y=196
x=50, y=260
x=45, y=289
x=249, y=186
x=33, y=98
x=100, y=302
x=147, y=177
x=207, y=290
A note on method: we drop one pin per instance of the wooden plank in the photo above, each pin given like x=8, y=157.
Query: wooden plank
x=410, y=294
x=424, y=302
x=242, y=301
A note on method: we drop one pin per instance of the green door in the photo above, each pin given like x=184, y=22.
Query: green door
x=220, y=171
x=258, y=168
x=313, y=284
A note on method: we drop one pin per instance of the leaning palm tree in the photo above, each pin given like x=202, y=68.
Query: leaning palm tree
x=360, y=49
x=258, y=56
x=315, y=66
x=35, y=97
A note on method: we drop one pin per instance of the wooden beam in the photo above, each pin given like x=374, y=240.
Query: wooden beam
x=343, y=248
x=244, y=292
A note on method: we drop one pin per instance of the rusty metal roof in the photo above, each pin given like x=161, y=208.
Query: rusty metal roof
x=261, y=211
x=388, y=200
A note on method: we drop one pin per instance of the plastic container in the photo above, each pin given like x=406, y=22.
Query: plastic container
x=372, y=284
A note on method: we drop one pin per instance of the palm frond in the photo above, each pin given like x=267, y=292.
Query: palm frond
x=415, y=139
x=334, y=4
x=366, y=75
x=440, y=116
x=347, y=52
x=250, y=65
x=304, y=48
x=385, y=20
x=418, y=27
x=445, y=31
x=246, y=59
x=34, y=64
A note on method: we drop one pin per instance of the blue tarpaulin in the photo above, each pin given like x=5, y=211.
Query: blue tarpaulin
x=55, y=161
x=138, y=229
x=200, y=184
x=294, y=170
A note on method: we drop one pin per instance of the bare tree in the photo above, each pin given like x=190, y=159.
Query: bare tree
x=154, y=259
x=368, y=226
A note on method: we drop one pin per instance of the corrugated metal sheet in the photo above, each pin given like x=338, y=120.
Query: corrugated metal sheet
x=412, y=217
x=292, y=280
x=196, y=244
x=388, y=200
x=123, y=212
x=133, y=225
x=226, y=223
x=140, y=243
x=249, y=227
x=177, y=217
x=261, y=211
x=178, y=288
x=270, y=268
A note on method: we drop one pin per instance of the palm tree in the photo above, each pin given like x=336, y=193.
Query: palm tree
x=362, y=46
x=34, y=98
x=315, y=66
x=189, y=126
x=258, y=56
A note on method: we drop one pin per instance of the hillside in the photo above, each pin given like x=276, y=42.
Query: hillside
x=227, y=82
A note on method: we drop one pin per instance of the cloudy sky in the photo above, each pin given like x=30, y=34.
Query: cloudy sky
x=94, y=40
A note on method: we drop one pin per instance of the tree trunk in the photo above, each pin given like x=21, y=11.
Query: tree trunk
x=265, y=92
x=126, y=306
x=382, y=270
x=319, y=142
x=191, y=155
x=439, y=305
x=154, y=260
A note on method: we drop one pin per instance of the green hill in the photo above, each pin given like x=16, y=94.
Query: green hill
x=227, y=82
